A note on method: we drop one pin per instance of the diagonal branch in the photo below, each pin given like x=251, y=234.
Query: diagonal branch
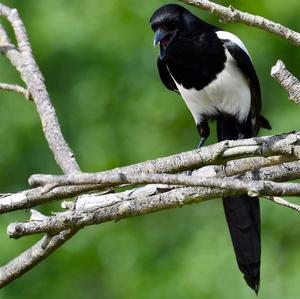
x=23, y=60
x=232, y=15
x=282, y=202
x=32, y=256
x=286, y=144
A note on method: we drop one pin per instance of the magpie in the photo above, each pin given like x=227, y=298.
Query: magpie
x=213, y=72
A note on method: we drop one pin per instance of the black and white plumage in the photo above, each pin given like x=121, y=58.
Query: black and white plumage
x=212, y=70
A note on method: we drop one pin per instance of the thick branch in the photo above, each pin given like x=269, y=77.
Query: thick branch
x=32, y=197
x=119, y=209
x=287, y=81
x=232, y=15
x=176, y=163
x=181, y=180
x=286, y=144
x=115, y=209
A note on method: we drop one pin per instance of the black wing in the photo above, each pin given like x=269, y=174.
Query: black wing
x=245, y=64
x=165, y=76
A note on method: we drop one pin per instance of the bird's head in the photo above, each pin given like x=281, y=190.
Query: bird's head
x=167, y=22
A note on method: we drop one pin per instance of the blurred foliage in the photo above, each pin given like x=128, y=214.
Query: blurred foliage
x=100, y=69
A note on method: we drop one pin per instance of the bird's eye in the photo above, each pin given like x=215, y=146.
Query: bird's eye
x=173, y=24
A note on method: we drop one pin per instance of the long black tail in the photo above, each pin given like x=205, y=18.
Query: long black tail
x=242, y=215
x=243, y=218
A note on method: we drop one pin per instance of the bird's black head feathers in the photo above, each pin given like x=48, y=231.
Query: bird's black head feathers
x=168, y=15
x=172, y=21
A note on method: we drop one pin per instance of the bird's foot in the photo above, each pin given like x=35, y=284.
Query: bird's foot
x=201, y=142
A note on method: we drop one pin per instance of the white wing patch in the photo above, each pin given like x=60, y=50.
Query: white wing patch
x=228, y=93
x=233, y=38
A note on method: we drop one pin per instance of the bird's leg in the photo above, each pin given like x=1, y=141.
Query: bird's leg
x=244, y=130
x=203, y=130
x=201, y=142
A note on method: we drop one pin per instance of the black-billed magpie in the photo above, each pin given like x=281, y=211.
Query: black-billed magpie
x=212, y=71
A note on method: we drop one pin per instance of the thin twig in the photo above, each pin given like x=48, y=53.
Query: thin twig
x=16, y=88
x=282, y=202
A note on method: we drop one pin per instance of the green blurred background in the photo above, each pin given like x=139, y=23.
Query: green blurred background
x=100, y=69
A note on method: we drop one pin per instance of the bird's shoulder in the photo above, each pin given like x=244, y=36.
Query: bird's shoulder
x=240, y=54
x=226, y=37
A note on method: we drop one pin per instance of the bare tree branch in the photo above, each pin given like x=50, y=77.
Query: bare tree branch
x=232, y=15
x=235, y=167
x=184, y=180
x=282, y=202
x=257, y=169
x=286, y=144
x=29, y=198
x=23, y=60
x=32, y=197
x=32, y=256
x=16, y=88
x=213, y=154
x=140, y=197
x=117, y=210
x=287, y=81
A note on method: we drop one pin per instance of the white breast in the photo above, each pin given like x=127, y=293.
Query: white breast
x=228, y=93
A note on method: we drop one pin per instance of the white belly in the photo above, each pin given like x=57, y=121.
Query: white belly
x=228, y=93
